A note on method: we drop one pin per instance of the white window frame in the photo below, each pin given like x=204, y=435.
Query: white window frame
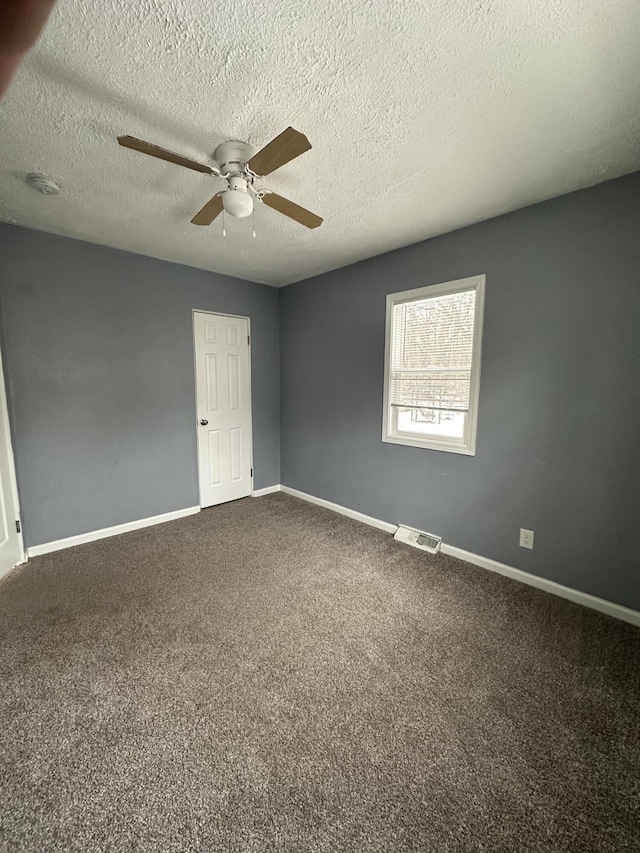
x=467, y=444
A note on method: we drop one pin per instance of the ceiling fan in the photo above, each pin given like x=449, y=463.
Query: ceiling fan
x=240, y=167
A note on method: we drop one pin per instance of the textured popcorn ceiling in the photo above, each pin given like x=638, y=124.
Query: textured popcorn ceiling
x=423, y=116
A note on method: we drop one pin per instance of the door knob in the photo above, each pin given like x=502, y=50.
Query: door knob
x=204, y=422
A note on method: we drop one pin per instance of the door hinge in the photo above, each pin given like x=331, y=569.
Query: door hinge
x=249, y=339
x=17, y=525
x=252, y=472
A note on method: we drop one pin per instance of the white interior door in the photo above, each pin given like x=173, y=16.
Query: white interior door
x=11, y=550
x=223, y=407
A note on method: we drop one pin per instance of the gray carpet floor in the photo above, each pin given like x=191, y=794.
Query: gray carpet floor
x=268, y=675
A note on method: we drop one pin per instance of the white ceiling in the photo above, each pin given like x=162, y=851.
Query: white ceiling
x=423, y=116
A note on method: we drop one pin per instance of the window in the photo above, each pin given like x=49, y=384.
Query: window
x=432, y=366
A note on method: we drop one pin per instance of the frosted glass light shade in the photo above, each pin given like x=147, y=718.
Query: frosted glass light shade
x=236, y=200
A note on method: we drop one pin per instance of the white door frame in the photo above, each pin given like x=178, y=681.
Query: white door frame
x=195, y=311
x=13, y=483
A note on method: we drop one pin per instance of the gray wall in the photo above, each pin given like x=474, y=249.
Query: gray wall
x=98, y=351
x=559, y=419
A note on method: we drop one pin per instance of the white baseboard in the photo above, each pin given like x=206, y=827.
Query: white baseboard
x=71, y=541
x=583, y=598
x=268, y=490
x=626, y=614
x=343, y=510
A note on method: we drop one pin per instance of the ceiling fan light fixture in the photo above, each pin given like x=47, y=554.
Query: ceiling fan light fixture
x=239, y=166
x=236, y=199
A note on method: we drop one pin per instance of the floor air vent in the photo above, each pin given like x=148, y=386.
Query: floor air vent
x=419, y=539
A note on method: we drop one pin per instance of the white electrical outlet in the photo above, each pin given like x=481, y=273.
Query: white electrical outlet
x=526, y=538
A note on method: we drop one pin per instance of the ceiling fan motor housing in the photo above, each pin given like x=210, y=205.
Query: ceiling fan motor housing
x=232, y=156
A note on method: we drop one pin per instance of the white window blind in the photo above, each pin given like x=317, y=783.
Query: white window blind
x=431, y=352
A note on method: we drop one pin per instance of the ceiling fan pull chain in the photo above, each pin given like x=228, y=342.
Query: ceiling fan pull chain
x=253, y=222
x=224, y=230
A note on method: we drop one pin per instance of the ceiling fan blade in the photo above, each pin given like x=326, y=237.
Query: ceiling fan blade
x=163, y=154
x=284, y=148
x=209, y=212
x=292, y=210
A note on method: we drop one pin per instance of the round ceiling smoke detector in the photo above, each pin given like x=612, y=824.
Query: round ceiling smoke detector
x=43, y=184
